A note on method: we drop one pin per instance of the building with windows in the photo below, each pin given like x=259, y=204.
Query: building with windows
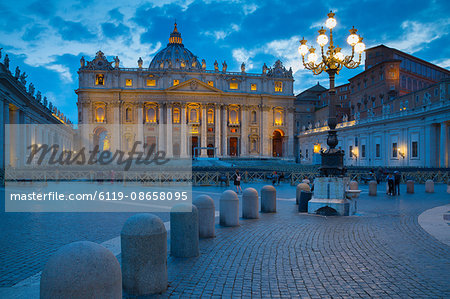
x=232, y=114
x=22, y=113
x=389, y=122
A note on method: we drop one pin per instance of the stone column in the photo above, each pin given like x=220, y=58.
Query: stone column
x=85, y=129
x=443, y=146
x=224, y=131
x=290, y=132
x=184, y=135
x=161, y=139
x=203, y=132
x=265, y=135
x=244, y=131
x=217, y=142
x=140, y=126
x=116, y=127
x=169, y=145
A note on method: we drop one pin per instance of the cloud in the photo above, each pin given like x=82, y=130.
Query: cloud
x=249, y=8
x=242, y=55
x=112, y=30
x=416, y=35
x=222, y=34
x=71, y=30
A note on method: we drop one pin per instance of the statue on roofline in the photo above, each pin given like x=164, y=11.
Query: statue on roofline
x=6, y=61
x=216, y=66
x=116, y=62
x=243, y=67
x=31, y=89
x=264, y=68
x=82, y=62
x=23, y=78
x=17, y=74
x=38, y=96
x=140, y=62
x=203, y=64
x=224, y=66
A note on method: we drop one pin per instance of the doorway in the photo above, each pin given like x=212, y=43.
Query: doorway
x=233, y=146
x=194, y=144
x=277, y=143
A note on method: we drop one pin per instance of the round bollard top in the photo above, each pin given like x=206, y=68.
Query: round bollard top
x=267, y=188
x=229, y=195
x=429, y=181
x=184, y=208
x=303, y=187
x=77, y=264
x=204, y=202
x=411, y=181
x=143, y=225
x=250, y=192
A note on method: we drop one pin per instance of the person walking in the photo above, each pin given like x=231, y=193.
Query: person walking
x=391, y=182
x=397, y=179
x=237, y=181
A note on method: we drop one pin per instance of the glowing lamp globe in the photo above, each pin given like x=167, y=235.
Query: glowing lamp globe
x=339, y=56
x=322, y=40
x=330, y=23
x=352, y=39
x=360, y=47
x=312, y=57
x=303, y=50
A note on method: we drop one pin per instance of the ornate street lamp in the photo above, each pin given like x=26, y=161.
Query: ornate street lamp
x=332, y=61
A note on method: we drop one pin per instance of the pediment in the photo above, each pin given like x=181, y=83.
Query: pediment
x=193, y=85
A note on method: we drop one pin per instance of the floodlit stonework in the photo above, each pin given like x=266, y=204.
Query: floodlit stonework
x=228, y=114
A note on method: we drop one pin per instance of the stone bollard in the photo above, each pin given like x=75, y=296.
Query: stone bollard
x=229, y=208
x=353, y=185
x=409, y=186
x=429, y=186
x=81, y=270
x=268, y=199
x=144, y=255
x=305, y=197
x=184, y=231
x=301, y=187
x=373, y=188
x=206, y=216
x=250, y=204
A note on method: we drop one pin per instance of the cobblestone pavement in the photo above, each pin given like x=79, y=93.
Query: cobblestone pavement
x=382, y=252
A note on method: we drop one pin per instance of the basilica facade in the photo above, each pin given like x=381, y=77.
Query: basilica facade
x=185, y=109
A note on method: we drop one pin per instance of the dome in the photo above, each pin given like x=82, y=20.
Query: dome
x=175, y=55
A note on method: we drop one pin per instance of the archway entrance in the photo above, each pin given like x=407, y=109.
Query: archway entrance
x=233, y=146
x=210, y=152
x=194, y=144
x=277, y=143
x=101, y=139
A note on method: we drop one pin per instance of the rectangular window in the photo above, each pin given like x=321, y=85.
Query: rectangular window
x=350, y=151
x=306, y=154
x=363, y=151
x=234, y=85
x=253, y=87
x=151, y=82
x=414, y=149
x=211, y=83
x=176, y=82
x=278, y=86
x=394, y=150
x=377, y=150
x=99, y=79
x=128, y=82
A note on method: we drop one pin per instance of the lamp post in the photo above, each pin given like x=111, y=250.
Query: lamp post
x=332, y=61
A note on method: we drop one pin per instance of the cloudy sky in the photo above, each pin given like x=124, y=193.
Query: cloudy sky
x=47, y=38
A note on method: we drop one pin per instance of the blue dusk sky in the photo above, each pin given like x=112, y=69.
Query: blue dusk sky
x=47, y=38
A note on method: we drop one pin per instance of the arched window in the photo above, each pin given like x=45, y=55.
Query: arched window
x=128, y=114
x=100, y=114
x=253, y=116
x=233, y=117
x=278, y=117
x=151, y=115
x=176, y=115
x=193, y=116
x=210, y=116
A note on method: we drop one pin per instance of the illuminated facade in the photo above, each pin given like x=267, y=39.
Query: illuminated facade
x=233, y=114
